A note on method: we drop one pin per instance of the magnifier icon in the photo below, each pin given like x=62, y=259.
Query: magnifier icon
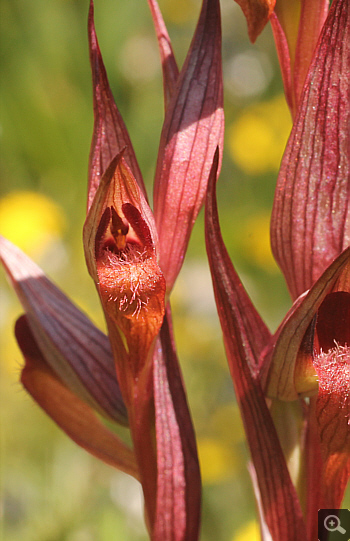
x=332, y=524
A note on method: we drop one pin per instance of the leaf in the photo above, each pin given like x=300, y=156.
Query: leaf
x=283, y=54
x=110, y=135
x=70, y=413
x=74, y=348
x=179, y=483
x=193, y=127
x=170, y=69
x=310, y=223
x=296, y=27
x=251, y=332
x=245, y=335
x=312, y=18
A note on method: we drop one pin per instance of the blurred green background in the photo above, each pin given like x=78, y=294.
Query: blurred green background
x=51, y=490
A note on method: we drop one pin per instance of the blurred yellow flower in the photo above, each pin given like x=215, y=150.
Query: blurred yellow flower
x=217, y=460
x=30, y=220
x=248, y=532
x=227, y=423
x=256, y=241
x=257, y=139
x=179, y=11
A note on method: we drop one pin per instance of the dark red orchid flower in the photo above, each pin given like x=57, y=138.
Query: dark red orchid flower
x=132, y=376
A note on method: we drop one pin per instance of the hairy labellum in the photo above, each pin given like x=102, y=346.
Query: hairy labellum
x=129, y=280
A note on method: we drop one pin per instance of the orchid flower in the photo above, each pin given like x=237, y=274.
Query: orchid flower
x=132, y=376
x=304, y=368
